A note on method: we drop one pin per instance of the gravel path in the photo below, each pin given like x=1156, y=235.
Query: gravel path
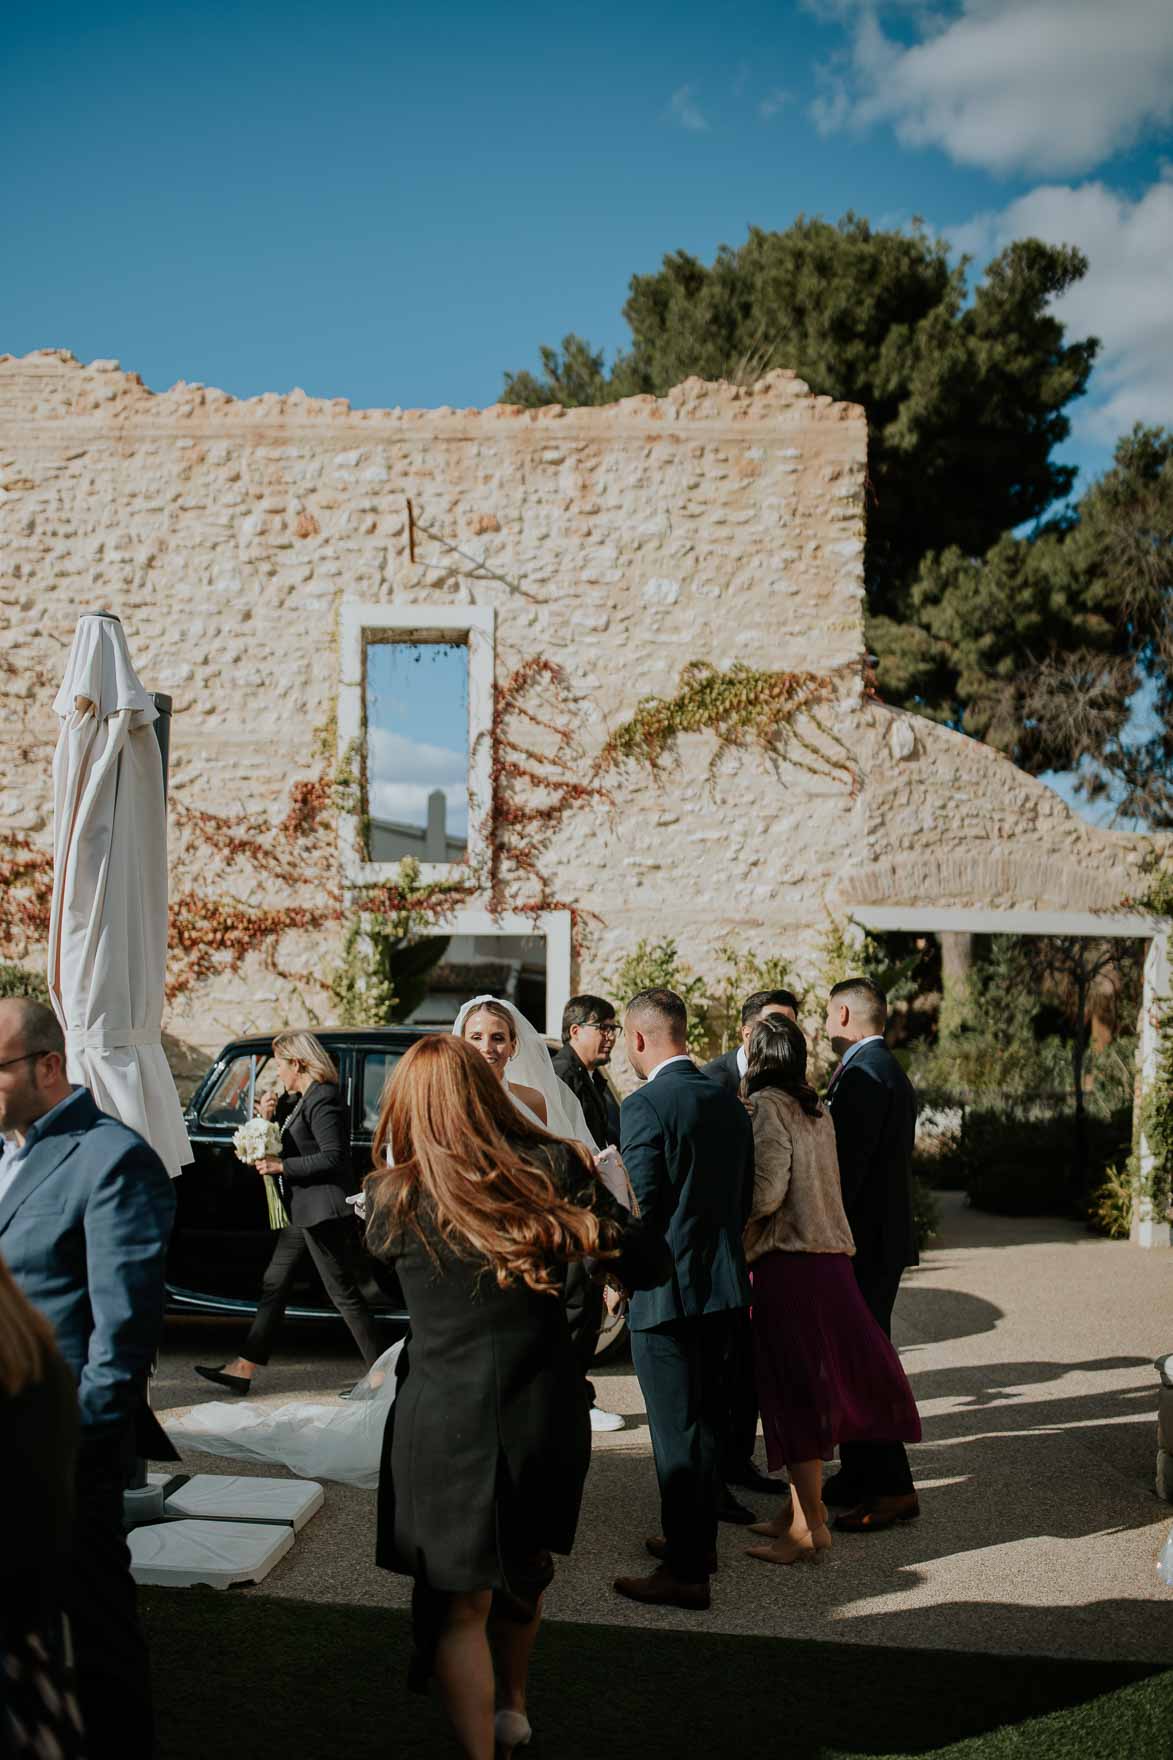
x=1029, y=1346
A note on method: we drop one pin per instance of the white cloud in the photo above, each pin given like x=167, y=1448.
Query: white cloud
x=1045, y=86
x=684, y=110
x=1125, y=298
x=772, y=103
x=403, y=772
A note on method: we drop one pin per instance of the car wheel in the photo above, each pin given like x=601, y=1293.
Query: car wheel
x=614, y=1343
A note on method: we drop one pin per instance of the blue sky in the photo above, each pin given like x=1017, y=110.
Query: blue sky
x=396, y=203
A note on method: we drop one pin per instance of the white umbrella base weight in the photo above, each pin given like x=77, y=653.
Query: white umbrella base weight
x=179, y=1555
x=221, y=1529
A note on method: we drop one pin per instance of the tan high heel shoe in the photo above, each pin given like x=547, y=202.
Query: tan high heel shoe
x=812, y=1549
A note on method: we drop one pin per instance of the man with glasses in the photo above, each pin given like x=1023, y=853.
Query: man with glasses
x=589, y=1031
x=86, y=1209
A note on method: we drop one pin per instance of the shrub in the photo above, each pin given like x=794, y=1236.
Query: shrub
x=19, y=981
x=1021, y=1166
x=926, y=1213
x=1112, y=1202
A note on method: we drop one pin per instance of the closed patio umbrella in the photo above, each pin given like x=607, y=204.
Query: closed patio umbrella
x=108, y=928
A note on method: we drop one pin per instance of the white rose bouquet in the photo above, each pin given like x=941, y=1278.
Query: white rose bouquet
x=259, y=1138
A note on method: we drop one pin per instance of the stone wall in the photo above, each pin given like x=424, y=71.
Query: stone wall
x=720, y=522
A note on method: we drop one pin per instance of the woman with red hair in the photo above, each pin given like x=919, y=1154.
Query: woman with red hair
x=488, y=1441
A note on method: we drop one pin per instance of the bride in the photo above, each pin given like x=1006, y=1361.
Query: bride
x=343, y=1442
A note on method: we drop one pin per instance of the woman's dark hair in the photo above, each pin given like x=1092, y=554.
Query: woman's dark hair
x=777, y=1059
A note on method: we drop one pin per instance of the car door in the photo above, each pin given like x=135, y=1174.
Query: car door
x=222, y=1241
x=373, y=1065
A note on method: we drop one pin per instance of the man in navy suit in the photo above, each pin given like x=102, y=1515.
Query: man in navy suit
x=688, y=1148
x=86, y=1209
x=873, y=1107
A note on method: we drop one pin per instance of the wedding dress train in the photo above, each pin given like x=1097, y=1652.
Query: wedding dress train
x=338, y=1442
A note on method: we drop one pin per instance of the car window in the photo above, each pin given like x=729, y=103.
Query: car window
x=228, y=1101
x=377, y=1066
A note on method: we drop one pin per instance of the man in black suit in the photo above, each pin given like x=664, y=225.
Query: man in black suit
x=740, y=1429
x=873, y=1106
x=589, y=1030
x=729, y=1069
x=688, y=1147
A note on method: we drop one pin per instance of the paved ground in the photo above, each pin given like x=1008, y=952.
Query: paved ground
x=1029, y=1346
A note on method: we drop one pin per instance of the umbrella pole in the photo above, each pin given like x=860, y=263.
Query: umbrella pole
x=141, y=1501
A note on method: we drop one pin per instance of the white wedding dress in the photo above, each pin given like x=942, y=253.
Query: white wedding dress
x=343, y=1442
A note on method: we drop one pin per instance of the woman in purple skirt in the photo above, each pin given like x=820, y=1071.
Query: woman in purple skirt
x=825, y=1371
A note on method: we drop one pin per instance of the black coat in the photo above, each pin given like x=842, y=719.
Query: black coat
x=873, y=1106
x=315, y=1151
x=688, y=1148
x=724, y=1069
x=489, y=1439
x=592, y=1093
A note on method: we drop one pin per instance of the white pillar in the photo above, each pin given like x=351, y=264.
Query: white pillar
x=1149, y=1230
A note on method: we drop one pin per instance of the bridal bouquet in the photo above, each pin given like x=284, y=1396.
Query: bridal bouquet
x=253, y=1142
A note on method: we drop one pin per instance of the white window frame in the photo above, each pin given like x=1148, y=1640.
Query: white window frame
x=476, y=626
x=555, y=926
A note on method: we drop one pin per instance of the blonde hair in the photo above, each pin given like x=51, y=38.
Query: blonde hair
x=498, y=1010
x=302, y=1048
x=26, y=1338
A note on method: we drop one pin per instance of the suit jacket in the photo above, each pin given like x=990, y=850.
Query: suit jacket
x=84, y=1228
x=590, y=1089
x=688, y=1148
x=873, y=1106
x=724, y=1069
x=315, y=1150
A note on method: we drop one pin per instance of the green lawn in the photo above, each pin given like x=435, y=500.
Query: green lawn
x=292, y=1680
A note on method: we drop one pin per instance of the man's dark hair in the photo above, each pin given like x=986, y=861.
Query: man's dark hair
x=753, y=1005
x=663, y=1006
x=582, y=1011
x=864, y=998
x=40, y=1030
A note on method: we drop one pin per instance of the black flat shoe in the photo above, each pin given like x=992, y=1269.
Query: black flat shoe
x=729, y=1510
x=238, y=1384
x=749, y=1479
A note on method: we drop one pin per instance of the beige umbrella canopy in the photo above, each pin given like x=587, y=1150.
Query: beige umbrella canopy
x=108, y=929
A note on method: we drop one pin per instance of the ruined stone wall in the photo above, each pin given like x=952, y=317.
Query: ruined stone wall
x=718, y=523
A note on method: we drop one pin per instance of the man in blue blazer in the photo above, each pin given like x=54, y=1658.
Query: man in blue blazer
x=873, y=1107
x=86, y=1209
x=688, y=1148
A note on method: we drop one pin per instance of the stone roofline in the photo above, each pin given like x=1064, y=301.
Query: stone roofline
x=101, y=390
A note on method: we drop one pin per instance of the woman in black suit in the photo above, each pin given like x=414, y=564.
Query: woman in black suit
x=315, y=1175
x=488, y=1442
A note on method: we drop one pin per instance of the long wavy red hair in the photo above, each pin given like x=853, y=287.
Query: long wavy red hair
x=458, y=1142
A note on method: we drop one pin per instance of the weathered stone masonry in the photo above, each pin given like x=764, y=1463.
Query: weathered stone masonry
x=719, y=523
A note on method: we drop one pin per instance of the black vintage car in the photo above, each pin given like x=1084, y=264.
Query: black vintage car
x=222, y=1240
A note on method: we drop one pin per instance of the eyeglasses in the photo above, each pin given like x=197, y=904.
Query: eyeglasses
x=609, y=1028
x=25, y=1057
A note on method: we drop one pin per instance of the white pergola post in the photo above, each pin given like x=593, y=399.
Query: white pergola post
x=1147, y=1230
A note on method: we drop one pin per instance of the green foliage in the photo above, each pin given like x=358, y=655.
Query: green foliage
x=741, y=706
x=1113, y=1201
x=739, y=974
x=1152, y=1176
x=965, y=396
x=656, y=965
x=926, y=1213
x=1035, y=644
x=1016, y=1165
x=20, y=981
x=849, y=951
x=386, y=959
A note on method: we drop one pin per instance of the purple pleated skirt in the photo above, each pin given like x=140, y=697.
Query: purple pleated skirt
x=825, y=1371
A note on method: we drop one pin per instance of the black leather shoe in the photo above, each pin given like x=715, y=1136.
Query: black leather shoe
x=729, y=1510
x=748, y=1478
x=839, y=1493
x=234, y=1383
